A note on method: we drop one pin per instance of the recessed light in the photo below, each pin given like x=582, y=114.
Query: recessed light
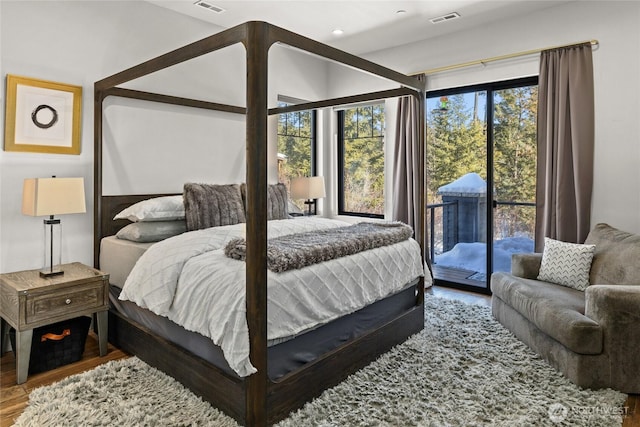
x=337, y=32
x=401, y=12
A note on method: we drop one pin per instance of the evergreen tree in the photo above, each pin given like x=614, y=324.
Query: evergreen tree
x=295, y=133
x=515, y=153
x=456, y=143
x=294, y=141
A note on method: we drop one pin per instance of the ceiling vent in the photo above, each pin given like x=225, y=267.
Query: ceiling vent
x=447, y=17
x=209, y=6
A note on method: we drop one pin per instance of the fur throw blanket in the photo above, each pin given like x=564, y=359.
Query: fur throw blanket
x=303, y=249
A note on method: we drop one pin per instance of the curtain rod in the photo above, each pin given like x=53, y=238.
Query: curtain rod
x=499, y=58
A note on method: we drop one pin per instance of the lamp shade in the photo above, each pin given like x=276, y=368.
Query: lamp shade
x=311, y=187
x=53, y=196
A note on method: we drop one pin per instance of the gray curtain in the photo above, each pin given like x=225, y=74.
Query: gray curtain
x=409, y=167
x=565, y=144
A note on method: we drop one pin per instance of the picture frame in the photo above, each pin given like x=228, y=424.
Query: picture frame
x=42, y=116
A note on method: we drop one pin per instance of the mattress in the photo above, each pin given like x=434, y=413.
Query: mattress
x=189, y=280
x=118, y=256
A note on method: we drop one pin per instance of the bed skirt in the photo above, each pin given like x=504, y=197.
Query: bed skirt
x=285, y=357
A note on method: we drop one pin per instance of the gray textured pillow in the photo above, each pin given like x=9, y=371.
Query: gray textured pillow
x=211, y=205
x=154, y=231
x=277, y=201
x=566, y=264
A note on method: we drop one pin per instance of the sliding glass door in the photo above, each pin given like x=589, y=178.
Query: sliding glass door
x=481, y=179
x=514, y=172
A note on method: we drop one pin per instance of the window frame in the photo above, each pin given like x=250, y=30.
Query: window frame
x=314, y=136
x=341, y=161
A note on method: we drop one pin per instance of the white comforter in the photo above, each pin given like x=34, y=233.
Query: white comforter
x=189, y=280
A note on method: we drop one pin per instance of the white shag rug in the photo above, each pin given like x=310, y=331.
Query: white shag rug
x=464, y=369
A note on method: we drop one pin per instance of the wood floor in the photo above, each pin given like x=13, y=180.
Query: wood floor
x=14, y=398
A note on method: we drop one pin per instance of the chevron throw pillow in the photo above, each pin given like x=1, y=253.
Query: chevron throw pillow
x=566, y=264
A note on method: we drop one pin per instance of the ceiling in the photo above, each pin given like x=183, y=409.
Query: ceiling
x=368, y=25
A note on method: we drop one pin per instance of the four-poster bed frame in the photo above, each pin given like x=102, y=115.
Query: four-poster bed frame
x=254, y=400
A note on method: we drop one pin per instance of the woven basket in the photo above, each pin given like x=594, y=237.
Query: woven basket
x=56, y=344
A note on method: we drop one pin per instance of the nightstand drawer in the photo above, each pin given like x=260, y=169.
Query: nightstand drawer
x=64, y=302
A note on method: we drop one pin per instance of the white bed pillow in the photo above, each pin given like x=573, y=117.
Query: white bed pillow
x=567, y=264
x=164, y=208
x=151, y=231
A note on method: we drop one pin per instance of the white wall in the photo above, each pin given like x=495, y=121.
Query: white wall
x=616, y=194
x=75, y=43
x=78, y=43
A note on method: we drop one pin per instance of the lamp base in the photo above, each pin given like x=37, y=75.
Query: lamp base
x=55, y=271
x=310, y=203
x=52, y=248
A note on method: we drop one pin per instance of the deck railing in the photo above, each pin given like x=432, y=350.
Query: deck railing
x=449, y=218
x=432, y=223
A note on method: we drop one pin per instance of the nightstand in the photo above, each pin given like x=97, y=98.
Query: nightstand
x=28, y=301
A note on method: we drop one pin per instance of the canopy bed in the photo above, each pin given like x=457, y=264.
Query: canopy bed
x=271, y=390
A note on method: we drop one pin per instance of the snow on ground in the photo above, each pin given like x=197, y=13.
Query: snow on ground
x=472, y=256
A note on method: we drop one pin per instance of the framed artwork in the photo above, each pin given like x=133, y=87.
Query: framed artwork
x=42, y=116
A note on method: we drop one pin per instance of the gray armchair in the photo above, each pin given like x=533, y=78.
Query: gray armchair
x=592, y=337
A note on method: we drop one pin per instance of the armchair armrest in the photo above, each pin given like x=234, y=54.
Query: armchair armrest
x=617, y=305
x=616, y=308
x=526, y=266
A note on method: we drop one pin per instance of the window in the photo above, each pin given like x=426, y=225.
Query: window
x=296, y=145
x=361, y=161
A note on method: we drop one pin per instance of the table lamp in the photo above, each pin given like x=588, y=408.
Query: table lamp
x=310, y=188
x=49, y=197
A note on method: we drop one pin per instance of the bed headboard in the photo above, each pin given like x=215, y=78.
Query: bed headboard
x=105, y=225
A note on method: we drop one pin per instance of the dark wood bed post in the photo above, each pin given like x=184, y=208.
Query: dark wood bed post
x=422, y=235
x=97, y=174
x=256, y=288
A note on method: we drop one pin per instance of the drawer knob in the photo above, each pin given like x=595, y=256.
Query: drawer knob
x=68, y=301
